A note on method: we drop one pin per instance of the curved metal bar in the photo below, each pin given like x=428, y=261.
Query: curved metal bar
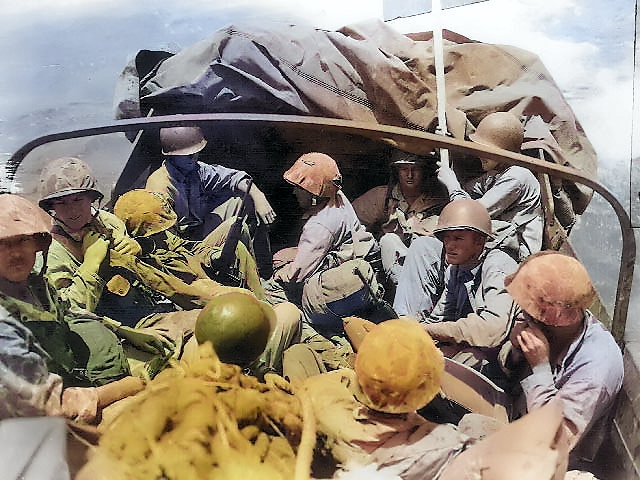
x=408, y=139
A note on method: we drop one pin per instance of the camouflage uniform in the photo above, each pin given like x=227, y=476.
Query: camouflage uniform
x=27, y=387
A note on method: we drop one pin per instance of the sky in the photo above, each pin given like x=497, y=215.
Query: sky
x=59, y=62
x=587, y=45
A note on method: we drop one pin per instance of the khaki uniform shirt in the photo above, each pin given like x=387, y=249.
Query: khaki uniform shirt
x=381, y=213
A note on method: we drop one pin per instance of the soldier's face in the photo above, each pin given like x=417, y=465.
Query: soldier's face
x=488, y=164
x=462, y=247
x=410, y=176
x=17, y=257
x=304, y=198
x=74, y=210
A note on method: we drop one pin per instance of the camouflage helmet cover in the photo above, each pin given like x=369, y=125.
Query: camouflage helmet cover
x=399, y=367
x=553, y=288
x=65, y=176
x=19, y=216
x=144, y=212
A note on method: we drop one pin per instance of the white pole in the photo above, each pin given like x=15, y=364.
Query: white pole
x=438, y=58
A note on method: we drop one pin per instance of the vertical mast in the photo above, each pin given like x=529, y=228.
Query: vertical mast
x=438, y=58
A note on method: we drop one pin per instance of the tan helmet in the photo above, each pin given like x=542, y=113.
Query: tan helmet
x=316, y=173
x=144, y=212
x=553, y=288
x=464, y=214
x=398, y=366
x=182, y=140
x=500, y=129
x=19, y=216
x=65, y=176
x=238, y=325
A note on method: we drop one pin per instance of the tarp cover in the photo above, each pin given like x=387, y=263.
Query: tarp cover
x=364, y=72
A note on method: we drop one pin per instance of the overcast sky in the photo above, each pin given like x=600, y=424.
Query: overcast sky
x=587, y=45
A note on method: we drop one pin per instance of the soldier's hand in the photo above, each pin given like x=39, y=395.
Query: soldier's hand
x=80, y=404
x=447, y=177
x=126, y=245
x=147, y=340
x=534, y=345
x=264, y=210
x=518, y=327
x=95, y=247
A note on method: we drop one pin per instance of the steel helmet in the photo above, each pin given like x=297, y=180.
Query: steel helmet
x=400, y=157
x=316, y=173
x=181, y=140
x=238, y=325
x=398, y=367
x=553, y=288
x=144, y=212
x=19, y=216
x=65, y=176
x=464, y=214
x=500, y=129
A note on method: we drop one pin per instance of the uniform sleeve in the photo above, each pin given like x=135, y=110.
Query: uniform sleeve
x=216, y=177
x=76, y=284
x=27, y=388
x=159, y=181
x=506, y=191
x=315, y=242
x=489, y=324
x=585, y=394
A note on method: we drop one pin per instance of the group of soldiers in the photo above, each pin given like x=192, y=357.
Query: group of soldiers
x=89, y=297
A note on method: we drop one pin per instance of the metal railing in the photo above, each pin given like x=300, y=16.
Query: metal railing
x=411, y=140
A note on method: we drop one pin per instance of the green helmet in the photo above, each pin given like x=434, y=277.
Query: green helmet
x=500, y=129
x=238, y=325
x=400, y=157
x=464, y=214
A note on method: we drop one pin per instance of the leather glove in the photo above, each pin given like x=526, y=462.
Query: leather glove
x=126, y=245
x=80, y=404
x=95, y=247
x=447, y=177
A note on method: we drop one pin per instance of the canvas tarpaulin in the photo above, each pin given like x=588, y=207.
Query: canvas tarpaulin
x=364, y=72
